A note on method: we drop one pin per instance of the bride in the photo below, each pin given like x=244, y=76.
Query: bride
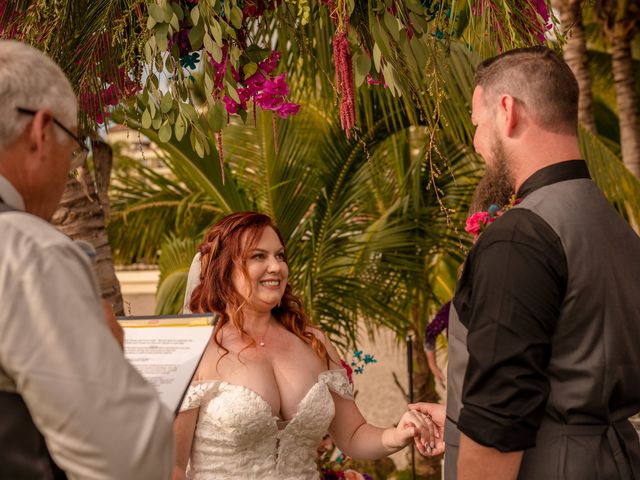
x=269, y=385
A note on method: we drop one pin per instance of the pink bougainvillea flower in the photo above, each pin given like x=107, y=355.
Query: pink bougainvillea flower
x=287, y=109
x=273, y=92
x=277, y=86
x=379, y=81
x=271, y=62
x=255, y=82
x=230, y=105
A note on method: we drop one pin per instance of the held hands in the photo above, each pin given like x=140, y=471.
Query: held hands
x=414, y=425
x=436, y=415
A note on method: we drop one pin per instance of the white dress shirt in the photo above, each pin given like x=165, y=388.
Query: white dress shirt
x=99, y=417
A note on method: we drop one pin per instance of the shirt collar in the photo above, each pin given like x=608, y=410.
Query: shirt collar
x=10, y=195
x=558, y=172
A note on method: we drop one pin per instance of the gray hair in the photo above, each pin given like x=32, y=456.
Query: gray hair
x=538, y=78
x=29, y=79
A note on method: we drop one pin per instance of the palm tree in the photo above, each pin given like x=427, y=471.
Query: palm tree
x=575, y=54
x=621, y=24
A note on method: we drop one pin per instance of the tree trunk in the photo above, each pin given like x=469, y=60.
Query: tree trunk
x=624, y=80
x=575, y=54
x=81, y=216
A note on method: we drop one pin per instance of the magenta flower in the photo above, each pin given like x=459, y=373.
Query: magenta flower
x=273, y=92
x=255, y=83
x=287, y=109
x=230, y=105
x=270, y=63
x=476, y=222
x=277, y=86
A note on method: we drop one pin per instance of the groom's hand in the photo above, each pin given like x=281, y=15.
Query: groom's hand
x=435, y=414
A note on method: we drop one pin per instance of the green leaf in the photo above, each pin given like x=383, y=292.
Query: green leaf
x=156, y=12
x=233, y=94
x=179, y=128
x=249, y=69
x=177, y=9
x=419, y=52
x=414, y=6
x=236, y=53
x=195, y=15
x=208, y=87
x=169, y=64
x=216, y=31
x=380, y=38
x=196, y=36
x=212, y=48
x=217, y=116
x=174, y=22
x=148, y=54
x=156, y=122
x=168, y=12
x=236, y=17
x=351, y=5
x=166, y=103
x=164, y=134
x=363, y=66
x=257, y=54
x=419, y=23
x=189, y=111
x=377, y=55
x=198, y=148
x=161, y=37
x=151, y=23
x=146, y=119
x=392, y=25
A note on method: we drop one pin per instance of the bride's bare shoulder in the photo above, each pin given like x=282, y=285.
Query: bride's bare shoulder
x=334, y=356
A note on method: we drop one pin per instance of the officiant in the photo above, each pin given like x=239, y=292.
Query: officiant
x=70, y=404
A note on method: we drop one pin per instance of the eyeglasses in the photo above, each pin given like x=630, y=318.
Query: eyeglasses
x=78, y=155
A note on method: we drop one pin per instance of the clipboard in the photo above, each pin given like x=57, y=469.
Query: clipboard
x=166, y=350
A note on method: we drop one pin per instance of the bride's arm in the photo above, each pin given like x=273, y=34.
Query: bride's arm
x=360, y=440
x=184, y=427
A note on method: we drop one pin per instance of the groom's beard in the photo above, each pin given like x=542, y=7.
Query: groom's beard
x=496, y=187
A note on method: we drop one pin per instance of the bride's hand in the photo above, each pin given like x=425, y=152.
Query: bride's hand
x=436, y=414
x=414, y=426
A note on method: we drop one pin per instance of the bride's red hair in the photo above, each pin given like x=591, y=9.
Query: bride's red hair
x=227, y=245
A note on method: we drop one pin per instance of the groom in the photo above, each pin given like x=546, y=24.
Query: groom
x=548, y=301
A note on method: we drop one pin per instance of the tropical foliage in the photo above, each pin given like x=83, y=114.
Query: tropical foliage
x=361, y=224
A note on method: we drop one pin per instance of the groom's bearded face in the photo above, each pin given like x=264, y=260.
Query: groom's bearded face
x=497, y=184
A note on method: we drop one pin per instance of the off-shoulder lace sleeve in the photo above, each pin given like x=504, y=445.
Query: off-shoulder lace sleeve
x=196, y=393
x=338, y=382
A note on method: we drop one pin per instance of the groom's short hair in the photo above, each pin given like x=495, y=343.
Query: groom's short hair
x=538, y=78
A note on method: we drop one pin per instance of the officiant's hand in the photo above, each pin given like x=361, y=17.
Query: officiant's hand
x=112, y=323
x=436, y=414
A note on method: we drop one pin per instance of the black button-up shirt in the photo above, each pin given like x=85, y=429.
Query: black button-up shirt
x=509, y=298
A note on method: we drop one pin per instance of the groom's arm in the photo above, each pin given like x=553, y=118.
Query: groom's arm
x=477, y=461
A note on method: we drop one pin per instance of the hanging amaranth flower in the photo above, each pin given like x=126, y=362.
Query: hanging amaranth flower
x=344, y=80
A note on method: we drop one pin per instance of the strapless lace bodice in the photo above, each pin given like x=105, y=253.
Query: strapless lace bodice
x=237, y=437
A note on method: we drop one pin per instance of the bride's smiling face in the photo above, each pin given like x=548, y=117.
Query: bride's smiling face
x=263, y=283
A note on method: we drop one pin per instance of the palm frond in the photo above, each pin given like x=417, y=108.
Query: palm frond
x=174, y=264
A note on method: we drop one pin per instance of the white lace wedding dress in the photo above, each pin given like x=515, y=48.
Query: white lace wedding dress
x=237, y=437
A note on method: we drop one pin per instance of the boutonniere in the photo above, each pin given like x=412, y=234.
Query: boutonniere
x=479, y=221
